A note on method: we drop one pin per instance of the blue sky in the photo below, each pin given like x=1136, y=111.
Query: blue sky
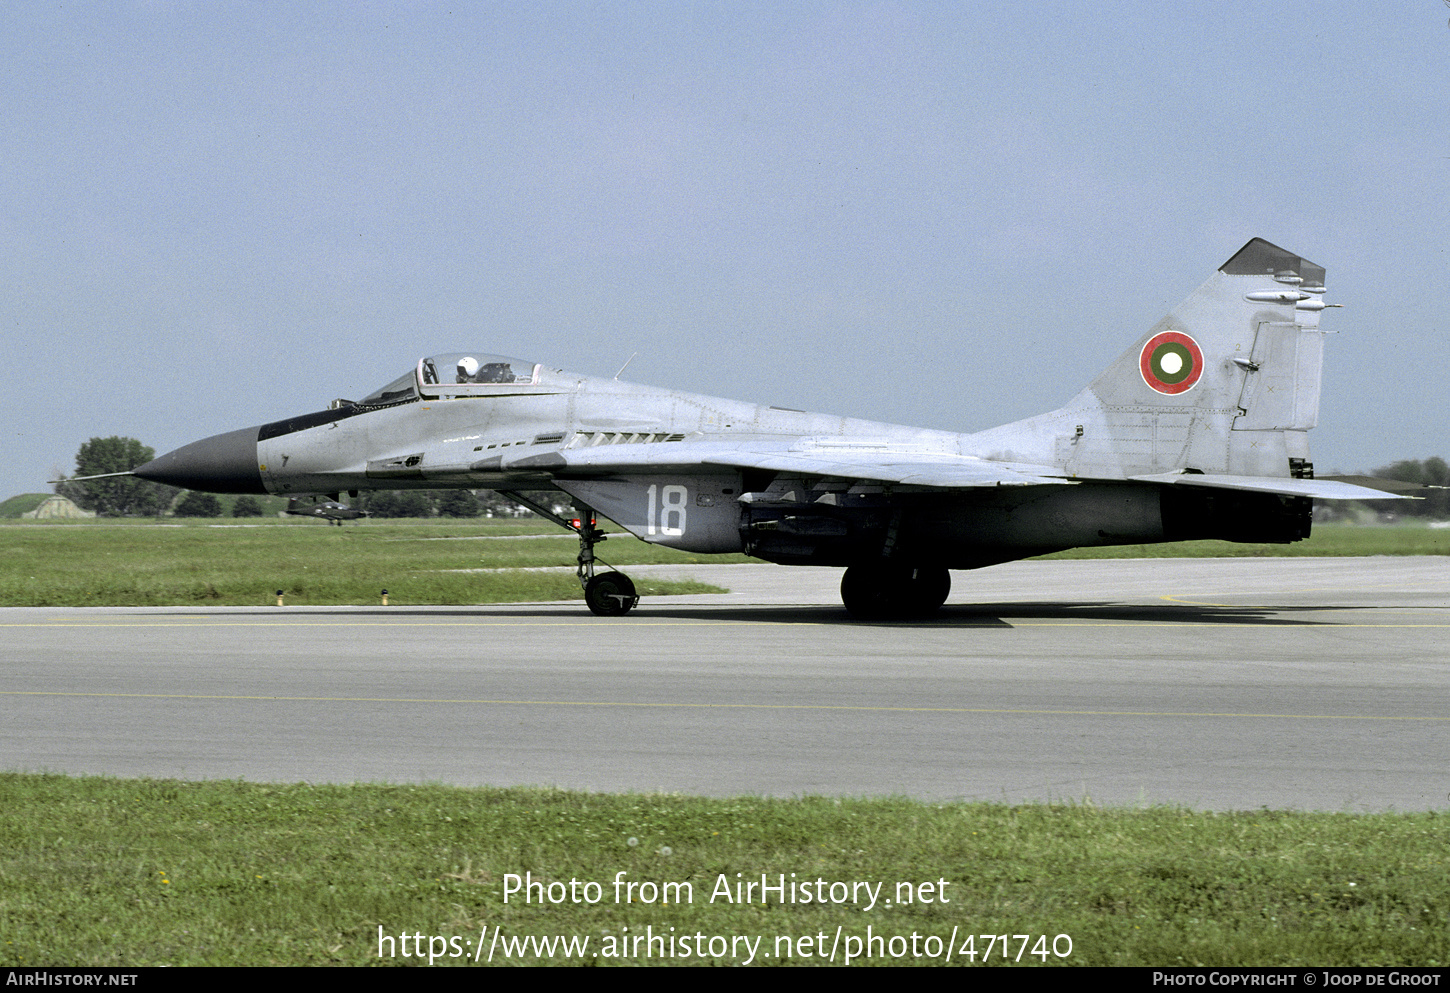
x=218, y=214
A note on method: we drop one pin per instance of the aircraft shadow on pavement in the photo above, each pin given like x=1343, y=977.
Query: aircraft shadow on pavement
x=992, y=615
x=1002, y=615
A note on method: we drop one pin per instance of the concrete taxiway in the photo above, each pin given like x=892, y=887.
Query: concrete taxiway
x=1210, y=683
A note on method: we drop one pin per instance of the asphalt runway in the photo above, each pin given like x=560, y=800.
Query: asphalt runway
x=1209, y=683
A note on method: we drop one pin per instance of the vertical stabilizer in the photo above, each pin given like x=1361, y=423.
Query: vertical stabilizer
x=1228, y=382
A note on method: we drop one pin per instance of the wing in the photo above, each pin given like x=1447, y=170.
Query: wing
x=885, y=462
x=836, y=500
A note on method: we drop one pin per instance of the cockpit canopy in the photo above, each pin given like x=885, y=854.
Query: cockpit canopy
x=455, y=374
x=475, y=367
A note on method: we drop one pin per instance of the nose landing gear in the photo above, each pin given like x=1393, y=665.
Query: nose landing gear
x=609, y=594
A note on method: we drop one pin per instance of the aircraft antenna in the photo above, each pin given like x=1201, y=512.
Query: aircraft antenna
x=625, y=366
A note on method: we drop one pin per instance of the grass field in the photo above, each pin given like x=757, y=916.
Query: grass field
x=143, y=872
x=194, y=562
x=191, y=563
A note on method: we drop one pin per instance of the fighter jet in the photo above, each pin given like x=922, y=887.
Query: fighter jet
x=1198, y=430
x=330, y=511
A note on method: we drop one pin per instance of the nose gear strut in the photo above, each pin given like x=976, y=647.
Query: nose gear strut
x=608, y=594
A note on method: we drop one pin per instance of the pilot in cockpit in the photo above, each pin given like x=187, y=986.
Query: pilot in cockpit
x=467, y=369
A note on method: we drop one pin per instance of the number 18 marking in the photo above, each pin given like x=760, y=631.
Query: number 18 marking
x=669, y=502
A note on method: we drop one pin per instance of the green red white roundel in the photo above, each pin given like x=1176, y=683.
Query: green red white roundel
x=1171, y=362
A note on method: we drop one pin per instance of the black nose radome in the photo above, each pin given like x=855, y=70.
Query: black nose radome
x=223, y=463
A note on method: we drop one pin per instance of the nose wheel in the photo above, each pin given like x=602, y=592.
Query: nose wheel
x=610, y=594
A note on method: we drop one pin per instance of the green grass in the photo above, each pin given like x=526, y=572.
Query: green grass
x=143, y=563
x=99, y=872
x=197, y=563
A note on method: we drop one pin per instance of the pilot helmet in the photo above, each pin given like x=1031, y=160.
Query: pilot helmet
x=467, y=369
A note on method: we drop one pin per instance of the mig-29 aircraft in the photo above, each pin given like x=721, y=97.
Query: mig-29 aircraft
x=1198, y=430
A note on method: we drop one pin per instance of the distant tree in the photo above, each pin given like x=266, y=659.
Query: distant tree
x=458, y=503
x=1408, y=470
x=415, y=503
x=448, y=503
x=495, y=505
x=119, y=496
x=1437, y=472
x=557, y=501
x=198, y=505
x=1431, y=472
x=380, y=503
x=246, y=506
x=399, y=503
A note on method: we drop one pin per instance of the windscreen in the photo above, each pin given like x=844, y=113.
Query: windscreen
x=397, y=391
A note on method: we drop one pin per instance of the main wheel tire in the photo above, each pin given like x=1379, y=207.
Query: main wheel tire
x=610, y=594
x=880, y=592
x=865, y=595
x=930, y=587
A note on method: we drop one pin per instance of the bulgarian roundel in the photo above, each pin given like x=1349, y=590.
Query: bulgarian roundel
x=1171, y=362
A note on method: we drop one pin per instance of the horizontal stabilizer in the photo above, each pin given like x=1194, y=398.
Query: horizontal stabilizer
x=1319, y=489
x=1386, y=486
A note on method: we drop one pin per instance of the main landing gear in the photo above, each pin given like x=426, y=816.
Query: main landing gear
x=882, y=591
